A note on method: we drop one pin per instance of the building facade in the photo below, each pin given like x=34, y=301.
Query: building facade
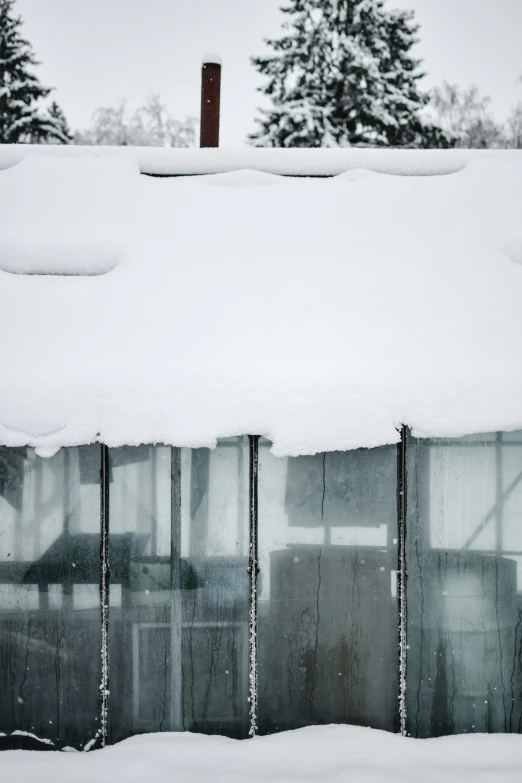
x=229, y=591
x=348, y=570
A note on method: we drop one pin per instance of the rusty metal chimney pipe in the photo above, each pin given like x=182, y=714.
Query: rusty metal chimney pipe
x=210, y=100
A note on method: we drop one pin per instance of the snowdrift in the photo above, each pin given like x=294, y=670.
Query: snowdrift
x=326, y=754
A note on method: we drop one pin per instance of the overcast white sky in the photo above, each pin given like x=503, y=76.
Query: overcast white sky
x=98, y=52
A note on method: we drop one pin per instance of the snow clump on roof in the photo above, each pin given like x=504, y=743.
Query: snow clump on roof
x=66, y=216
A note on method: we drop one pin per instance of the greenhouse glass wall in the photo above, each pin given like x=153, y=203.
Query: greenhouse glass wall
x=229, y=591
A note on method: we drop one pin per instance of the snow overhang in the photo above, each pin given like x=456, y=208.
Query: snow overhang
x=322, y=313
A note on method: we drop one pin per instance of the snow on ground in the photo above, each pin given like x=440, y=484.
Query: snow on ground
x=322, y=313
x=327, y=754
x=66, y=216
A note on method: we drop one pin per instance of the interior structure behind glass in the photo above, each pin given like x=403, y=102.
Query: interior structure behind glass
x=178, y=552
x=179, y=524
x=464, y=561
x=50, y=666
x=328, y=613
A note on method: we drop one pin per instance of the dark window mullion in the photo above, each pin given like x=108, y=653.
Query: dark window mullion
x=253, y=570
x=402, y=576
x=177, y=720
x=104, y=595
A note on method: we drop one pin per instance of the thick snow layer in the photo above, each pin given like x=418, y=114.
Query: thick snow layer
x=296, y=162
x=322, y=313
x=328, y=754
x=66, y=216
x=213, y=58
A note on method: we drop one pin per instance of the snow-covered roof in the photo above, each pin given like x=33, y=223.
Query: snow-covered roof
x=291, y=162
x=322, y=313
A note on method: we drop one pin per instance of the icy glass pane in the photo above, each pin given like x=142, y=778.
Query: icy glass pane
x=464, y=588
x=50, y=596
x=328, y=618
x=178, y=620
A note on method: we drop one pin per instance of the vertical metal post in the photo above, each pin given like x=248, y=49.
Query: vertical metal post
x=253, y=568
x=154, y=502
x=176, y=619
x=210, y=101
x=499, y=499
x=104, y=594
x=136, y=677
x=402, y=576
x=38, y=491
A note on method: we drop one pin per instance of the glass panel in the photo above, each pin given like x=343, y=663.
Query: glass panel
x=327, y=614
x=464, y=589
x=50, y=669
x=178, y=550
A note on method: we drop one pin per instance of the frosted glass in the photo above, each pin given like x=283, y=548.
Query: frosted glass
x=464, y=589
x=50, y=596
x=178, y=622
x=328, y=618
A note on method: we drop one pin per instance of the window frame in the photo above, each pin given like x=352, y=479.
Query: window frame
x=102, y=736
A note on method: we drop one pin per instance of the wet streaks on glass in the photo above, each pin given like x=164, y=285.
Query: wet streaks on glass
x=178, y=616
x=49, y=597
x=328, y=614
x=464, y=556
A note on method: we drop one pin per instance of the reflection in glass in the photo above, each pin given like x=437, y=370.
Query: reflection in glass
x=327, y=614
x=50, y=596
x=464, y=588
x=178, y=620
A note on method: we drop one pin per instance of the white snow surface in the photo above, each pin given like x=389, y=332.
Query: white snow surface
x=66, y=216
x=293, y=162
x=329, y=754
x=322, y=313
x=213, y=58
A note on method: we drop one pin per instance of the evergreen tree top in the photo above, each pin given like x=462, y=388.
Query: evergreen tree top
x=343, y=73
x=20, y=89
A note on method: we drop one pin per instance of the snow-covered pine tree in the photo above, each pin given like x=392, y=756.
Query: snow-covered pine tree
x=57, y=116
x=342, y=74
x=20, y=90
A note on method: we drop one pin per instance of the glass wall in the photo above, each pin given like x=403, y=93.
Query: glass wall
x=327, y=608
x=328, y=616
x=178, y=619
x=464, y=588
x=50, y=596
